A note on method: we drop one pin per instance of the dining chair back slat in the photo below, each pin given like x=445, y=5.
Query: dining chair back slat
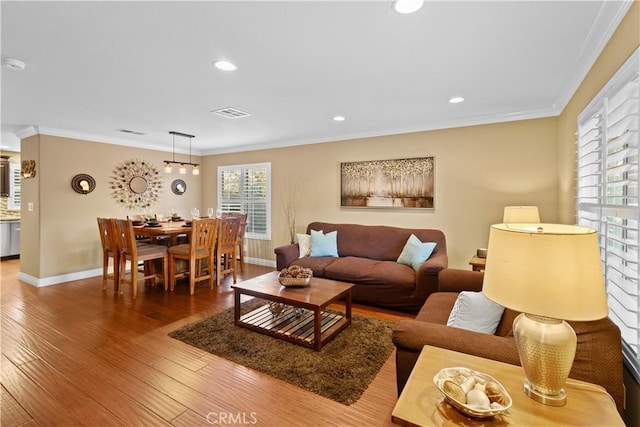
x=201, y=248
x=109, y=250
x=130, y=251
x=226, y=247
x=241, y=230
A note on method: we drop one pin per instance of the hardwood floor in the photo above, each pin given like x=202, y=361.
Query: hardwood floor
x=73, y=354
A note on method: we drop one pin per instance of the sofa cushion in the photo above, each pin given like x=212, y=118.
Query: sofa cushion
x=304, y=244
x=475, y=312
x=317, y=264
x=324, y=244
x=370, y=271
x=415, y=252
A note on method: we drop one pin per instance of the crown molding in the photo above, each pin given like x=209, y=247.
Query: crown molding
x=609, y=16
x=27, y=132
x=538, y=113
x=94, y=137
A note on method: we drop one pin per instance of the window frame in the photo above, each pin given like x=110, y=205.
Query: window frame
x=607, y=199
x=243, y=168
x=15, y=181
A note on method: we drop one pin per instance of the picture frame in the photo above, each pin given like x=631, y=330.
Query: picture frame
x=393, y=184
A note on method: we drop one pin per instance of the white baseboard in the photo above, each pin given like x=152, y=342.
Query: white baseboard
x=260, y=261
x=69, y=277
x=56, y=280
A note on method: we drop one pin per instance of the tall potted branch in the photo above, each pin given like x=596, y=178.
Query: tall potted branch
x=290, y=205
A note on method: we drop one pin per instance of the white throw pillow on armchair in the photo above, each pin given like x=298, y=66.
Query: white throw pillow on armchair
x=475, y=312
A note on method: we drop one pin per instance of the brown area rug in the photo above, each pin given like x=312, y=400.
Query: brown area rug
x=341, y=371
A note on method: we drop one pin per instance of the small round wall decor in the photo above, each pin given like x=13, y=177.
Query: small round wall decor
x=83, y=183
x=178, y=187
x=136, y=184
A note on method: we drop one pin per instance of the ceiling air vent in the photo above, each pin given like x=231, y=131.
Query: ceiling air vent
x=231, y=113
x=130, y=131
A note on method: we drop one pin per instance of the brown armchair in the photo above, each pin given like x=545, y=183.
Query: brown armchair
x=598, y=357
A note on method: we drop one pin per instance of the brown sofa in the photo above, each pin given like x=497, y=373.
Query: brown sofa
x=367, y=258
x=598, y=355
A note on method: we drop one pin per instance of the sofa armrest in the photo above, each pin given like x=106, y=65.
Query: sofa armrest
x=286, y=254
x=412, y=335
x=427, y=275
x=409, y=336
x=455, y=280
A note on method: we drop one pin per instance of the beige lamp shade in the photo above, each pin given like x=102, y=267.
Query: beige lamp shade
x=520, y=214
x=550, y=270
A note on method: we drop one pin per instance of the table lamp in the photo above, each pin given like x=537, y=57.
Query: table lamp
x=550, y=273
x=520, y=214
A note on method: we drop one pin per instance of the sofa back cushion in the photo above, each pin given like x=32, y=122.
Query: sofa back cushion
x=379, y=242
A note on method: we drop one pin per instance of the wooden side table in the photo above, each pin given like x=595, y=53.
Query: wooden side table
x=477, y=263
x=422, y=404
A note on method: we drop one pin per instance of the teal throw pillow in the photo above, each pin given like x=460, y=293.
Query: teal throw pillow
x=324, y=244
x=415, y=252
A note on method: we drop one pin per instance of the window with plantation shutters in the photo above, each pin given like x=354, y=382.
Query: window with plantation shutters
x=607, y=196
x=15, y=193
x=247, y=189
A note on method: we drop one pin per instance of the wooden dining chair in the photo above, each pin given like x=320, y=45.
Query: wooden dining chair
x=201, y=248
x=226, y=247
x=241, y=230
x=109, y=251
x=147, y=253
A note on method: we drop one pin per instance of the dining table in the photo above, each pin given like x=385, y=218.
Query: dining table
x=170, y=229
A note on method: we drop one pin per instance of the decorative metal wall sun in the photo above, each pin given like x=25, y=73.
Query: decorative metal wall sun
x=136, y=184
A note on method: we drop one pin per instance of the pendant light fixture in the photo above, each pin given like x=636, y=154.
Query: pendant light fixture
x=182, y=168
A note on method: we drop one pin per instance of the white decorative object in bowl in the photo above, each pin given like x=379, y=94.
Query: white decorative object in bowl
x=476, y=394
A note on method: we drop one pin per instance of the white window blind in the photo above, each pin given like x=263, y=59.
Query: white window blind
x=247, y=189
x=13, y=202
x=607, y=196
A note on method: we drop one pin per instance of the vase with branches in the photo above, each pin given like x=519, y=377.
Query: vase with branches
x=290, y=205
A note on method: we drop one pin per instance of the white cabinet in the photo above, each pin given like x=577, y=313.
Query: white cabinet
x=9, y=238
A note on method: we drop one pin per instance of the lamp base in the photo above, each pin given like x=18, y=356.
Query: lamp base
x=559, y=399
x=546, y=348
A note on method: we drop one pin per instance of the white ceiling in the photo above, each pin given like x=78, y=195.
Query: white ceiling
x=94, y=67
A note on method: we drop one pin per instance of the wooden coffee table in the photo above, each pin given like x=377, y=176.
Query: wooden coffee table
x=303, y=318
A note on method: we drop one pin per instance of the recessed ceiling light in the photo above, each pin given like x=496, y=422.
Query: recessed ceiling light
x=13, y=64
x=407, y=6
x=456, y=100
x=339, y=118
x=225, y=66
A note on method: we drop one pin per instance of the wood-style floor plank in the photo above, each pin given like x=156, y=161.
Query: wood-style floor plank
x=75, y=354
x=11, y=413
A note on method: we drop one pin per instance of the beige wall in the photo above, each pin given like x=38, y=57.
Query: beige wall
x=478, y=171
x=61, y=234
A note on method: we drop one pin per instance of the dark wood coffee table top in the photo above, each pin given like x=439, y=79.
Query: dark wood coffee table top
x=317, y=294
